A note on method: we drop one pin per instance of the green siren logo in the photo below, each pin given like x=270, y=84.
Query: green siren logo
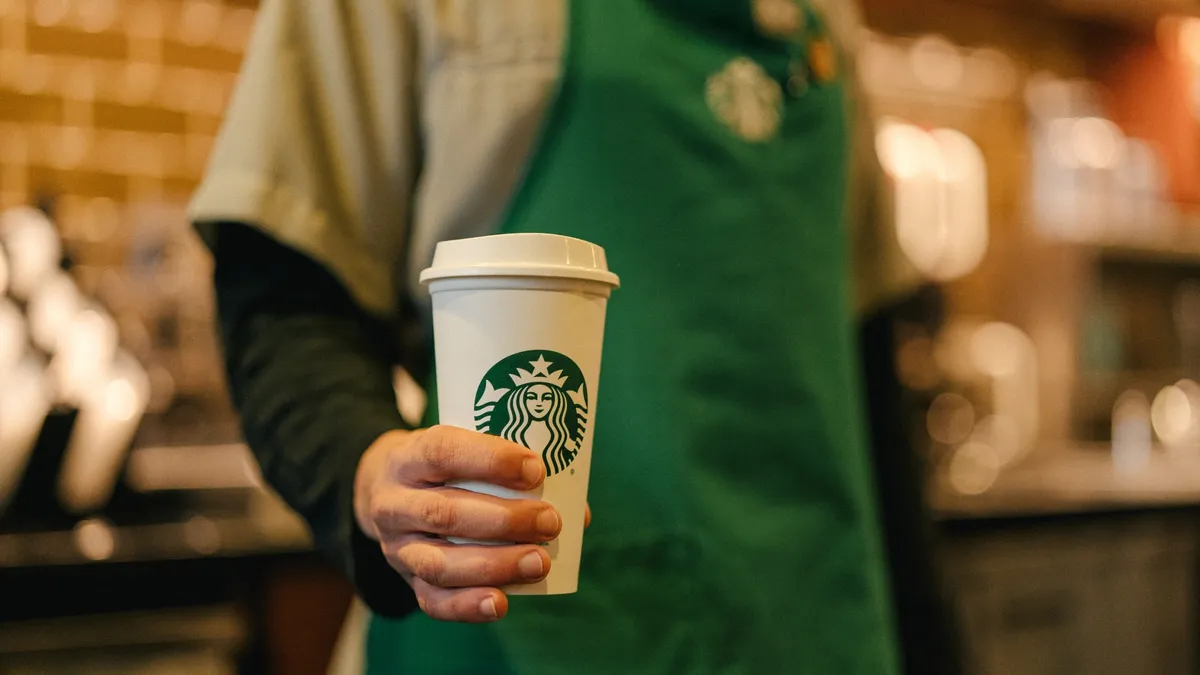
x=537, y=399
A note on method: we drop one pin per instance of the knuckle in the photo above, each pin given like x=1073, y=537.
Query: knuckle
x=436, y=448
x=379, y=512
x=437, y=513
x=395, y=559
x=462, y=611
x=497, y=570
x=436, y=437
x=395, y=463
x=426, y=564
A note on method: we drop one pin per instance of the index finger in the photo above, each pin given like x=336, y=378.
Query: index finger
x=441, y=454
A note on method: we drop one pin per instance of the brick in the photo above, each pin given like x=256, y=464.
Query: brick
x=30, y=109
x=83, y=183
x=137, y=118
x=210, y=57
x=69, y=42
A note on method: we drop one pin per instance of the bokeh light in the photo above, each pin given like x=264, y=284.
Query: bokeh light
x=940, y=197
x=1131, y=432
x=936, y=63
x=950, y=419
x=33, y=246
x=1172, y=416
x=974, y=468
x=95, y=539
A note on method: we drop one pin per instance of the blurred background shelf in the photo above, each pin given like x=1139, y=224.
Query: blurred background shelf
x=192, y=641
x=1169, y=241
x=1167, y=250
x=1078, y=479
x=180, y=526
x=1139, y=13
x=1118, y=15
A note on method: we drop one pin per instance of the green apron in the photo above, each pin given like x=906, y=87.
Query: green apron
x=734, y=527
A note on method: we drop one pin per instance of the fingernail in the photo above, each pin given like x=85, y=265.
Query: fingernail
x=488, y=608
x=549, y=523
x=532, y=471
x=531, y=566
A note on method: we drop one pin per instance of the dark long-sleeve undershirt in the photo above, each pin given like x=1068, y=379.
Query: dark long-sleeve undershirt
x=311, y=376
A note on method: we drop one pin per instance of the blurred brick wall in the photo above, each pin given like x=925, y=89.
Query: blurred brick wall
x=110, y=107
x=109, y=103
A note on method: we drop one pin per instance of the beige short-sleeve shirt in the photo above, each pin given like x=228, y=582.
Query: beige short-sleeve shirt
x=362, y=132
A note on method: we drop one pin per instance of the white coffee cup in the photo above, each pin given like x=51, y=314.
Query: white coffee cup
x=518, y=327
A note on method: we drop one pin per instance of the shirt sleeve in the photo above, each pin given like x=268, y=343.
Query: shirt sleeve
x=318, y=148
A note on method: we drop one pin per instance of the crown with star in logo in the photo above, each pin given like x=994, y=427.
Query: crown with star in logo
x=539, y=375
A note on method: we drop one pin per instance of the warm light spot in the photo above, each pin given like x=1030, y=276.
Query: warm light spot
x=936, y=63
x=905, y=151
x=1004, y=435
x=1172, y=415
x=1061, y=141
x=950, y=418
x=991, y=74
x=999, y=349
x=974, y=468
x=964, y=205
x=882, y=65
x=84, y=353
x=33, y=247
x=202, y=535
x=1188, y=36
x=121, y=400
x=51, y=309
x=1046, y=96
x=940, y=197
x=1131, y=432
x=95, y=539
x=1097, y=142
x=13, y=336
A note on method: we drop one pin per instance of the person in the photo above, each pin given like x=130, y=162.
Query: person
x=718, y=150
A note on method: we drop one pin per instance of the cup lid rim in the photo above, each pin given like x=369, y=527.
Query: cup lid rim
x=518, y=270
x=530, y=255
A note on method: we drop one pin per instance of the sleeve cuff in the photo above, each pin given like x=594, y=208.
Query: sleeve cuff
x=293, y=219
x=383, y=590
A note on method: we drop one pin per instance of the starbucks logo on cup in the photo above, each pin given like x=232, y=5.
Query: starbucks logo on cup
x=539, y=400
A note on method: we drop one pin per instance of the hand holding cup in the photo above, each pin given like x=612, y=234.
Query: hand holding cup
x=404, y=501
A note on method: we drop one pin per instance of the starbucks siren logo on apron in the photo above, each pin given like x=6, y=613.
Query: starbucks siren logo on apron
x=539, y=400
x=746, y=99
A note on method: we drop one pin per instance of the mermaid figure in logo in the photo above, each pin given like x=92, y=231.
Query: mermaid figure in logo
x=537, y=419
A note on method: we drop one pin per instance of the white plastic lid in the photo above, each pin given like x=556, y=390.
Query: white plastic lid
x=520, y=255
